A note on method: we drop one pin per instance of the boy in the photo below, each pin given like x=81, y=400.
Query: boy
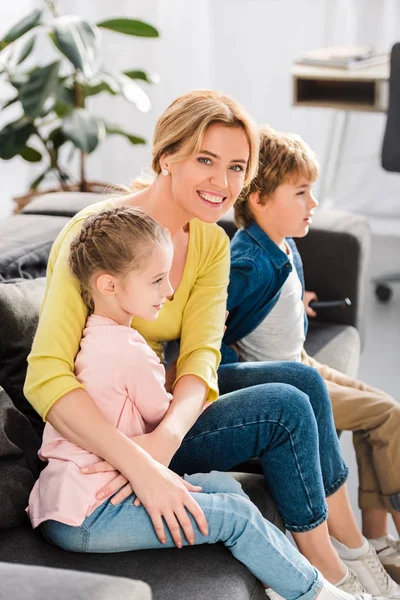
x=268, y=321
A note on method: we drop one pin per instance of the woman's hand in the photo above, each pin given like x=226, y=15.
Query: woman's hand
x=309, y=297
x=153, y=443
x=164, y=495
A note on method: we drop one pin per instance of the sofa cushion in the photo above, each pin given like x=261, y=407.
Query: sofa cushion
x=64, y=204
x=19, y=444
x=337, y=346
x=194, y=573
x=19, y=313
x=25, y=244
x=21, y=582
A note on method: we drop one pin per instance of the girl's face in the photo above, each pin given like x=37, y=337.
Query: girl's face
x=207, y=184
x=142, y=292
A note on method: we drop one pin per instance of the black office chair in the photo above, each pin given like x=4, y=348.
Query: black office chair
x=391, y=155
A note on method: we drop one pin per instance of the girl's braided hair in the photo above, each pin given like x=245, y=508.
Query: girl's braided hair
x=115, y=241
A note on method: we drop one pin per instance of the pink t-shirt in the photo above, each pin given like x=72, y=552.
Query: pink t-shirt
x=125, y=379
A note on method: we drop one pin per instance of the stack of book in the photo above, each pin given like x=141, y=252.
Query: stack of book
x=344, y=57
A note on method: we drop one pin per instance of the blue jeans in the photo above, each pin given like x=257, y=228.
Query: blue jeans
x=232, y=519
x=280, y=413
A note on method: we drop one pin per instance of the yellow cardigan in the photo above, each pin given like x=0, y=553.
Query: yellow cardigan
x=196, y=315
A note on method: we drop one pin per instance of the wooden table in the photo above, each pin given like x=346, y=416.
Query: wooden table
x=344, y=90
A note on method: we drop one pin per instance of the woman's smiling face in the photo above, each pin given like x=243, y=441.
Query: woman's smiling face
x=208, y=183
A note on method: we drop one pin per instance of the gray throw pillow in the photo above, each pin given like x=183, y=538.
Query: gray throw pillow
x=20, y=302
x=19, y=464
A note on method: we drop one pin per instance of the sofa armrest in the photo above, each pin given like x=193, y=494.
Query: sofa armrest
x=20, y=582
x=335, y=256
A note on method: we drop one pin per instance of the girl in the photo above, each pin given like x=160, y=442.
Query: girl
x=122, y=259
x=205, y=151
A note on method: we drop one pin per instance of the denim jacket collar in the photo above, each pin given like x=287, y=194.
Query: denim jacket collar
x=277, y=256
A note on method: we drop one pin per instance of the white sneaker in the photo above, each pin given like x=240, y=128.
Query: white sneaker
x=371, y=573
x=388, y=551
x=328, y=592
x=331, y=592
x=272, y=595
x=351, y=585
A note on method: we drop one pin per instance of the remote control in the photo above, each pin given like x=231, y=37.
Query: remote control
x=315, y=305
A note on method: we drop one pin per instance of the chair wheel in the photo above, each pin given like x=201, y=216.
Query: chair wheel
x=383, y=292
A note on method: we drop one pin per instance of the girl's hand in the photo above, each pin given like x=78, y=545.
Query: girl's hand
x=113, y=486
x=309, y=297
x=163, y=494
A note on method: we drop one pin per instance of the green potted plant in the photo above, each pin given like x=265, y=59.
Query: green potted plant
x=53, y=97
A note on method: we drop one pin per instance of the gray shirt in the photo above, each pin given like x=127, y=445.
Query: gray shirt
x=281, y=335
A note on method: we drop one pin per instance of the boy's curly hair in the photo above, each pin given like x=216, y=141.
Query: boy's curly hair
x=284, y=157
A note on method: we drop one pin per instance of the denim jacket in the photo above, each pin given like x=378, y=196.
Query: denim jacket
x=259, y=268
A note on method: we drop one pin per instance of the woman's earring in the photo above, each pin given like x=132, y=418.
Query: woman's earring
x=165, y=172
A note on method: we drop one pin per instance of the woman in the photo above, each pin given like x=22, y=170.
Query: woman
x=205, y=150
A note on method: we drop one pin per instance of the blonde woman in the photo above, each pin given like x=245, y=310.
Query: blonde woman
x=122, y=258
x=205, y=151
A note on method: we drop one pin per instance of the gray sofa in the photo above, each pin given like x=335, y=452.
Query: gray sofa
x=22, y=582
x=334, y=254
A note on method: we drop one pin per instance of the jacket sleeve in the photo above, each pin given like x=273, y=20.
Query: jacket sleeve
x=239, y=279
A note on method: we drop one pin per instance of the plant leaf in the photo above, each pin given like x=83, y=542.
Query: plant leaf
x=79, y=41
x=41, y=85
x=26, y=24
x=13, y=137
x=131, y=91
x=102, y=86
x=30, y=154
x=134, y=139
x=57, y=138
x=18, y=80
x=26, y=49
x=36, y=182
x=65, y=100
x=143, y=76
x=130, y=27
x=84, y=130
x=10, y=102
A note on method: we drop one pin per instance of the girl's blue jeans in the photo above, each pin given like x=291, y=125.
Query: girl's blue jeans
x=232, y=519
x=281, y=413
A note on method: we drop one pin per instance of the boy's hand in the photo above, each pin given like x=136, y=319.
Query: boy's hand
x=170, y=377
x=309, y=297
x=235, y=348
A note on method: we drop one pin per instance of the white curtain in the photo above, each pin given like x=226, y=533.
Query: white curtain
x=245, y=48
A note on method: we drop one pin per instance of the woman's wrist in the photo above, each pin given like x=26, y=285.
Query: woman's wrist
x=169, y=439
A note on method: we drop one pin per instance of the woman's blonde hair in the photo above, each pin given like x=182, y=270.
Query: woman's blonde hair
x=283, y=158
x=180, y=130
x=115, y=241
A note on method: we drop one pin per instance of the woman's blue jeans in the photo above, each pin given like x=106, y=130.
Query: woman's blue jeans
x=280, y=413
x=232, y=519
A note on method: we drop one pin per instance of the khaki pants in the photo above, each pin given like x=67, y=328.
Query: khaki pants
x=374, y=419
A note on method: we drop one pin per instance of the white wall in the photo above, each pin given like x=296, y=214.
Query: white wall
x=244, y=48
